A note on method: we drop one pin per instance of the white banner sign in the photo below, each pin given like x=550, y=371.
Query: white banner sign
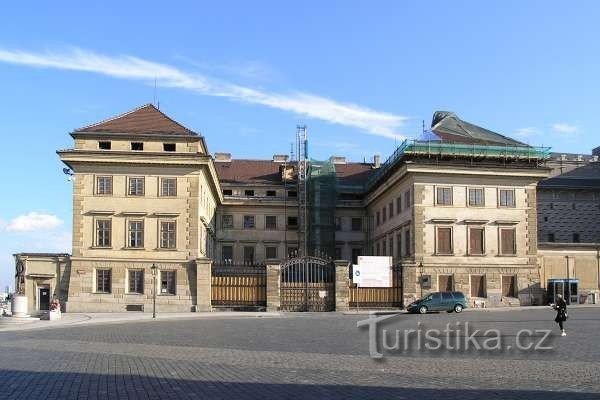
x=373, y=271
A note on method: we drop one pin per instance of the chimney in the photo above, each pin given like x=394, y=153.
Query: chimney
x=222, y=157
x=338, y=160
x=281, y=158
x=376, y=161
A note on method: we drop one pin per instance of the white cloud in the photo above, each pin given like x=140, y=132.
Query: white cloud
x=565, y=128
x=133, y=68
x=528, y=132
x=34, y=222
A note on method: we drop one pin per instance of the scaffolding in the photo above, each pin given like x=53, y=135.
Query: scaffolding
x=439, y=148
x=302, y=151
x=321, y=185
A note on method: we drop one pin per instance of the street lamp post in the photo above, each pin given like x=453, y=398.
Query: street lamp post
x=153, y=269
x=421, y=279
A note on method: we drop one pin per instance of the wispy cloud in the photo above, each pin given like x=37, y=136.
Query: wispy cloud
x=528, y=132
x=134, y=68
x=33, y=222
x=565, y=128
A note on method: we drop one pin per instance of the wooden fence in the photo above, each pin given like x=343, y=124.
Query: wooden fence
x=239, y=286
x=367, y=297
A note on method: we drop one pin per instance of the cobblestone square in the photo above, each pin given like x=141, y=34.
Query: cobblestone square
x=294, y=356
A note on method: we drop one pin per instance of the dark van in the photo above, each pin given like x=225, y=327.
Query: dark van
x=439, y=301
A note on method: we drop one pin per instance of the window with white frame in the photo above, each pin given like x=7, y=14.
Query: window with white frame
x=444, y=196
x=136, y=281
x=136, y=186
x=168, y=234
x=506, y=197
x=135, y=234
x=168, y=282
x=103, y=232
x=168, y=187
x=104, y=185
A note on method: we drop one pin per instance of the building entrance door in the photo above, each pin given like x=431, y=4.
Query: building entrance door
x=44, y=294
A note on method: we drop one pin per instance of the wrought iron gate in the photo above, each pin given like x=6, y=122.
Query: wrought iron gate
x=307, y=284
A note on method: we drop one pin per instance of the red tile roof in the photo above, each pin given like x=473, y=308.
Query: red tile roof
x=263, y=172
x=353, y=173
x=249, y=172
x=146, y=119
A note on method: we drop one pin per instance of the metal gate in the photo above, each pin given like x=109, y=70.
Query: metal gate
x=308, y=284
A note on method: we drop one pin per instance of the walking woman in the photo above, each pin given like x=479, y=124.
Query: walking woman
x=561, y=312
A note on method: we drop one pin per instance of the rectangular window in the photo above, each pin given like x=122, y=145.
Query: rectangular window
x=248, y=254
x=137, y=146
x=271, y=252
x=384, y=215
x=103, y=232
x=477, y=286
x=355, y=254
x=407, y=200
x=292, y=252
x=271, y=193
x=227, y=192
x=167, y=282
x=444, y=240
x=507, y=198
x=168, y=187
x=476, y=197
x=476, y=241
x=103, y=280
x=338, y=253
x=249, y=193
x=136, y=186
x=271, y=222
x=378, y=218
x=445, y=283
x=407, y=243
x=227, y=221
x=104, y=145
x=391, y=245
x=551, y=237
x=444, y=196
x=398, y=205
x=338, y=224
x=136, y=281
x=292, y=193
x=377, y=249
x=508, y=286
x=292, y=222
x=136, y=234
x=169, y=146
x=227, y=253
x=249, y=222
x=383, y=248
x=104, y=185
x=507, y=241
x=399, y=245
x=168, y=234
x=576, y=238
x=356, y=224
x=391, y=207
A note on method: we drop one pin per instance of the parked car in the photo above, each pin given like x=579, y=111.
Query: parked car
x=439, y=301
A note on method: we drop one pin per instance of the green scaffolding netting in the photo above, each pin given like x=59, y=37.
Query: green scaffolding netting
x=321, y=191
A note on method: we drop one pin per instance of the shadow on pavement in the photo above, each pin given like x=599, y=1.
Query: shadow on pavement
x=67, y=385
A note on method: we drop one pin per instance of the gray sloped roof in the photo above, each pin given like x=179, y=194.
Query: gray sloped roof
x=450, y=128
x=586, y=176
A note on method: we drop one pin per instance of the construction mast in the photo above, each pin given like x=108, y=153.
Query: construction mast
x=302, y=154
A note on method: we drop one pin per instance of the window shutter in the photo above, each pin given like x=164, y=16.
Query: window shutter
x=476, y=241
x=507, y=237
x=444, y=240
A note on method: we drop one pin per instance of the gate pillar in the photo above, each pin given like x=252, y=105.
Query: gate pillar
x=203, y=284
x=273, y=286
x=342, y=285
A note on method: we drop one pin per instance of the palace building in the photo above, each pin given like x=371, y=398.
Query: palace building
x=457, y=209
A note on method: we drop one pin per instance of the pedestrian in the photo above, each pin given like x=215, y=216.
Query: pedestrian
x=561, y=313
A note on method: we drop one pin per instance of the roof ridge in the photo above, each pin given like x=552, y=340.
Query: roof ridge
x=115, y=117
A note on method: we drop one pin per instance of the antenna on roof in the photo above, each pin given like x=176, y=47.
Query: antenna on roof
x=155, y=100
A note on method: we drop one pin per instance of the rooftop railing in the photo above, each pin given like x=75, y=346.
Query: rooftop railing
x=441, y=148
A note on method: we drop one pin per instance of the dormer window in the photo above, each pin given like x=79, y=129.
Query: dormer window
x=137, y=146
x=104, y=145
x=249, y=193
x=169, y=146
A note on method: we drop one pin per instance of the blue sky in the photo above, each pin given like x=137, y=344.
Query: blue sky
x=362, y=75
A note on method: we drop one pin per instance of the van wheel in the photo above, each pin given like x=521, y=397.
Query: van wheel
x=422, y=310
x=458, y=308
